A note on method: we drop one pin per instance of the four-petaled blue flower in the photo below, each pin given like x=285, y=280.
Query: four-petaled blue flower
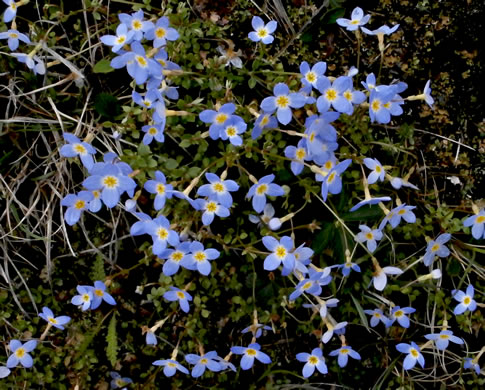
x=309, y=286
x=298, y=154
x=466, y=300
x=380, y=276
x=395, y=215
x=84, y=298
x=472, y=365
x=282, y=102
x=347, y=267
x=343, y=355
x=198, y=258
x=100, y=294
x=161, y=234
x=160, y=188
x=210, y=207
x=377, y=315
x=218, y=189
x=332, y=182
x=250, y=353
x=232, y=129
x=443, y=338
x=378, y=172
x=358, y=19
x=76, y=204
x=414, y=355
x=264, y=120
x=136, y=24
x=14, y=37
x=170, y=367
x=399, y=314
x=160, y=33
x=370, y=236
x=11, y=11
x=183, y=297
x=478, y=224
x=383, y=30
x=56, y=322
x=174, y=257
x=261, y=31
x=331, y=329
x=264, y=187
x=118, y=382
x=436, y=248
x=219, y=119
x=312, y=361
x=122, y=37
x=76, y=147
x=20, y=353
x=153, y=131
x=333, y=94
x=281, y=253
x=256, y=329
x=202, y=362
x=311, y=76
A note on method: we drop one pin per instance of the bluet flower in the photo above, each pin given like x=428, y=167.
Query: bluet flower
x=256, y=329
x=298, y=154
x=202, y=362
x=84, y=298
x=379, y=107
x=370, y=82
x=377, y=315
x=11, y=11
x=310, y=76
x=122, y=37
x=378, y=172
x=76, y=147
x=76, y=204
x=136, y=23
x=347, y=267
x=218, y=189
x=35, y=64
x=218, y=119
x=198, y=258
x=56, y=322
x=160, y=188
x=281, y=253
x=170, y=367
x=331, y=329
x=100, y=294
x=14, y=37
x=153, y=131
x=141, y=227
x=443, y=338
x=332, y=182
x=174, y=257
x=250, y=353
x=264, y=120
x=427, y=94
x=384, y=30
x=332, y=94
x=397, y=183
x=437, y=248
x=282, y=102
x=369, y=236
x=466, y=300
x=343, y=355
x=357, y=19
x=183, y=297
x=472, y=365
x=20, y=353
x=380, y=277
x=312, y=361
x=399, y=314
x=309, y=286
x=322, y=306
x=161, y=234
x=118, y=382
x=264, y=187
x=150, y=338
x=261, y=31
x=478, y=224
x=4, y=372
x=414, y=355
x=232, y=130
x=354, y=97
x=160, y=33
x=210, y=208
x=395, y=215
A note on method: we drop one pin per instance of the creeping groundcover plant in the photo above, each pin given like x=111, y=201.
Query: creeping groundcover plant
x=271, y=224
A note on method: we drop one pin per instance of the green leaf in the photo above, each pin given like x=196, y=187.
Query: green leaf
x=112, y=340
x=364, y=213
x=252, y=83
x=332, y=16
x=323, y=238
x=103, y=66
x=362, y=315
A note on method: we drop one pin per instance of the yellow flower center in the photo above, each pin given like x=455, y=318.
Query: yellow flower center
x=344, y=351
x=355, y=21
x=401, y=212
x=231, y=131
x=160, y=189
x=141, y=61
x=218, y=187
x=80, y=149
x=121, y=40
x=331, y=94
x=369, y=236
x=262, y=32
x=162, y=62
x=307, y=285
x=300, y=153
x=376, y=105
x=313, y=360
x=414, y=353
x=200, y=256
x=264, y=121
x=136, y=24
x=177, y=256
x=435, y=247
x=20, y=352
x=331, y=178
x=378, y=169
x=13, y=35
x=80, y=204
x=147, y=103
x=398, y=313
x=162, y=233
x=152, y=131
x=221, y=118
x=160, y=32
x=348, y=95
x=480, y=219
x=282, y=101
x=262, y=188
x=444, y=336
x=387, y=105
x=467, y=300
x=377, y=315
x=203, y=361
x=251, y=352
x=52, y=320
x=99, y=292
x=311, y=77
x=328, y=165
x=280, y=251
x=180, y=294
x=110, y=181
x=211, y=207
x=85, y=297
x=170, y=364
x=312, y=136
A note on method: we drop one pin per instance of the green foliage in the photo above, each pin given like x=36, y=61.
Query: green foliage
x=112, y=341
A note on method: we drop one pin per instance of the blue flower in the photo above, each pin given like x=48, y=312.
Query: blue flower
x=161, y=234
x=198, y=258
x=76, y=147
x=256, y=329
x=311, y=76
x=472, y=365
x=84, y=298
x=153, y=131
x=343, y=355
x=11, y=11
x=264, y=120
x=281, y=253
x=309, y=286
x=207, y=360
x=332, y=182
x=332, y=94
x=303, y=256
x=14, y=37
x=225, y=364
x=218, y=189
x=117, y=382
x=477, y=222
x=160, y=188
x=160, y=33
x=466, y=300
x=183, y=297
x=34, y=63
x=250, y=353
x=377, y=315
x=347, y=267
x=383, y=30
x=141, y=226
x=399, y=314
x=76, y=204
x=20, y=353
x=282, y=101
x=443, y=338
x=358, y=19
x=210, y=208
x=379, y=104
x=111, y=181
x=312, y=361
x=122, y=37
x=218, y=119
x=378, y=172
x=437, y=248
x=136, y=24
x=174, y=257
x=298, y=154
x=100, y=294
x=427, y=94
x=147, y=101
x=4, y=372
x=354, y=97
x=395, y=215
x=264, y=187
x=397, y=183
x=170, y=367
x=380, y=276
x=232, y=129
x=414, y=355
x=56, y=322
x=261, y=31
x=370, y=82
x=369, y=202
x=150, y=338
x=370, y=236
x=331, y=329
